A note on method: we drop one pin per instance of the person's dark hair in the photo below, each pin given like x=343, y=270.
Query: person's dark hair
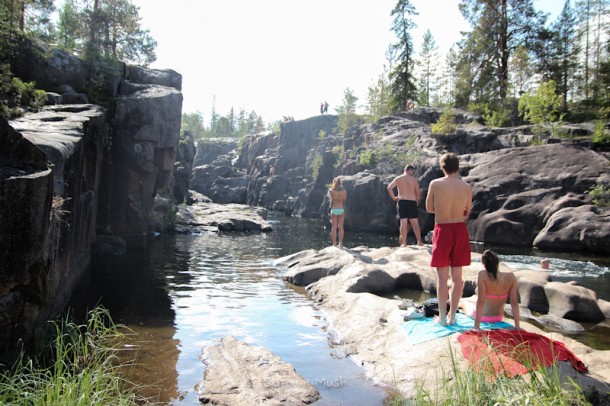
x=490, y=262
x=449, y=162
x=409, y=167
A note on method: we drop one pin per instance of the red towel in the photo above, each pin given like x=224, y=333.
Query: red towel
x=513, y=352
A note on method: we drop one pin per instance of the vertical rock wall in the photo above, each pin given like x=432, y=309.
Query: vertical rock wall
x=48, y=213
x=145, y=121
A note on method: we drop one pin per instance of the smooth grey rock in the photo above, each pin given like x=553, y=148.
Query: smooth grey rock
x=239, y=374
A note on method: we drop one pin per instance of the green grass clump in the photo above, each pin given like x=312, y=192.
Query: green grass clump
x=478, y=385
x=81, y=367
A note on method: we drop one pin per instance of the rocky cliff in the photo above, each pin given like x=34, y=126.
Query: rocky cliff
x=524, y=195
x=78, y=179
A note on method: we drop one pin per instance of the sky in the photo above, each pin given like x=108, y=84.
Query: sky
x=284, y=57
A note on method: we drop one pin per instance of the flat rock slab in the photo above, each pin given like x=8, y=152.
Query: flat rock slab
x=370, y=327
x=239, y=374
x=206, y=216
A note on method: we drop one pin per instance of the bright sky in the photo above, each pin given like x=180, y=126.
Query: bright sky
x=284, y=57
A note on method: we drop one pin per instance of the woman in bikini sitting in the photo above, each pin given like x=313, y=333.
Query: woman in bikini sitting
x=494, y=287
x=338, y=195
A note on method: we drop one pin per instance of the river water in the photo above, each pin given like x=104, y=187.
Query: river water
x=188, y=291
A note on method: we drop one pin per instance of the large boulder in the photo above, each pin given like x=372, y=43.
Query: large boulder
x=573, y=302
x=239, y=374
x=517, y=200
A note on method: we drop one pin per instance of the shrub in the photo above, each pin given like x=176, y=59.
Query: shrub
x=600, y=195
x=599, y=135
x=367, y=158
x=445, y=124
x=316, y=165
x=16, y=95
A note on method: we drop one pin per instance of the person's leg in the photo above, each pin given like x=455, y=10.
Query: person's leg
x=333, y=230
x=404, y=229
x=340, y=220
x=442, y=292
x=456, y=292
x=416, y=230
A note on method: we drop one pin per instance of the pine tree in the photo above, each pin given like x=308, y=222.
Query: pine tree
x=565, y=46
x=428, y=64
x=499, y=27
x=402, y=87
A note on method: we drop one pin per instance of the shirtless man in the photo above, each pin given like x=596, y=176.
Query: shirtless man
x=407, y=200
x=450, y=199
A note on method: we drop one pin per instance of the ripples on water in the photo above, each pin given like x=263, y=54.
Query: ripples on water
x=188, y=291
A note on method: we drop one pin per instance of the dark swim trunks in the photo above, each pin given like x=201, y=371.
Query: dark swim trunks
x=407, y=209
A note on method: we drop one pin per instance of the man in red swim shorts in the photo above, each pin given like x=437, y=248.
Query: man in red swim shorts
x=450, y=199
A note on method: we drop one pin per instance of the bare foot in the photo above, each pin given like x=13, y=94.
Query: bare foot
x=420, y=243
x=452, y=321
x=438, y=320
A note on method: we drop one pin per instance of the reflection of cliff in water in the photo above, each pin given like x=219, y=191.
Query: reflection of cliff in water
x=134, y=288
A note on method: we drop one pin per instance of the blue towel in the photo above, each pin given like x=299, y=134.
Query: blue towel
x=426, y=329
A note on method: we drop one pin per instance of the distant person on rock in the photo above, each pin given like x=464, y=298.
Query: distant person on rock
x=407, y=200
x=337, y=195
x=325, y=107
x=322, y=108
x=410, y=105
x=450, y=199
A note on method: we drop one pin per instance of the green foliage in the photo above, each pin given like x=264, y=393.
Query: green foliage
x=316, y=165
x=500, y=117
x=193, y=122
x=378, y=99
x=322, y=134
x=477, y=386
x=599, y=135
x=16, y=95
x=446, y=123
x=367, y=158
x=347, y=111
x=542, y=108
x=600, y=195
x=337, y=150
x=79, y=367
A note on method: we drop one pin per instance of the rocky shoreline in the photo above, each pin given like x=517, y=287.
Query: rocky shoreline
x=353, y=288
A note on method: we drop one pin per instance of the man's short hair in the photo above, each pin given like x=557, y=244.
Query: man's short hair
x=449, y=162
x=409, y=167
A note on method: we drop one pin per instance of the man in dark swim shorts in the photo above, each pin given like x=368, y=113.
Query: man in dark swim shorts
x=408, y=197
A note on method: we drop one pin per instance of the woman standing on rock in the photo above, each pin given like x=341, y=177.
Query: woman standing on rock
x=337, y=195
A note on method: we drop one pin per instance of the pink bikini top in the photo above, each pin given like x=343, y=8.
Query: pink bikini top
x=496, y=296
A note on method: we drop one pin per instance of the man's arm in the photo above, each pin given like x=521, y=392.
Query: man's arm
x=390, y=190
x=468, y=207
x=430, y=198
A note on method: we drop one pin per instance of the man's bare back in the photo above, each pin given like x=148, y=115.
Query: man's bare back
x=408, y=188
x=450, y=199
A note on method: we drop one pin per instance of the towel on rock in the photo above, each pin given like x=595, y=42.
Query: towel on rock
x=513, y=352
x=426, y=329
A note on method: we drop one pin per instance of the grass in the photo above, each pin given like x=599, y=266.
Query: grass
x=479, y=385
x=80, y=367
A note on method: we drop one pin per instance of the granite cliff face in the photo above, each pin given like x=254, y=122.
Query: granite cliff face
x=523, y=195
x=78, y=179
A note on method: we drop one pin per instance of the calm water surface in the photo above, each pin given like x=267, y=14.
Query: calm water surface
x=188, y=291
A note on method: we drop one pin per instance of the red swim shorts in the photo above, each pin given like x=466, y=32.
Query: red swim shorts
x=450, y=245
